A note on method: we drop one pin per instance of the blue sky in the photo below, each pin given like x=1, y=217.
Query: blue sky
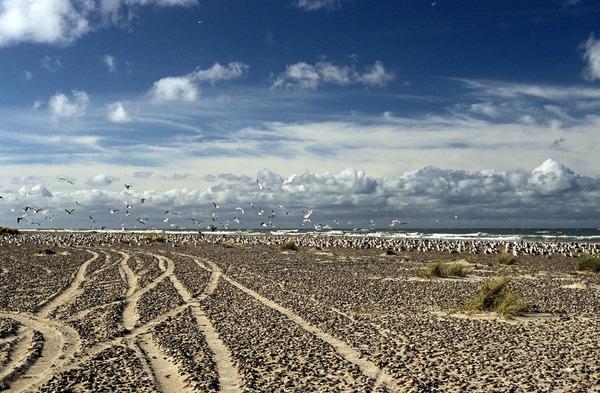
x=193, y=100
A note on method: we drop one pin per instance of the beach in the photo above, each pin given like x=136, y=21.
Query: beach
x=145, y=312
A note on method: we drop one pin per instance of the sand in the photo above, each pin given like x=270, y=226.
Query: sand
x=107, y=313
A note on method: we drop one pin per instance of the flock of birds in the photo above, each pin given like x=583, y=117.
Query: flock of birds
x=266, y=218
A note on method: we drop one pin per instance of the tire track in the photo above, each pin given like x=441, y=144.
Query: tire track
x=61, y=342
x=53, y=303
x=346, y=351
x=229, y=379
x=130, y=315
x=165, y=372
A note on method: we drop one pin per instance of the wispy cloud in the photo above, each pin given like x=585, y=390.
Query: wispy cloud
x=591, y=57
x=314, y=5
x=186, y=88
x=110, y=62
x=311, y=76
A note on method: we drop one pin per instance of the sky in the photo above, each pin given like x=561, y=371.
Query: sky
x=434, y=113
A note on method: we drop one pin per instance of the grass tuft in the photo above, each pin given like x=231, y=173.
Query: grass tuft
x=289, y=245
x=506, y=259
x=445, y=269
x=9, y=231
x=589, y=263
x=155, y=239
x=494, y=296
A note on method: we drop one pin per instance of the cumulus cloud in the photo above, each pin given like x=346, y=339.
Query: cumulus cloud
x=186, y=88
x=117, y=113
x=110, y=62
x=101, y=179
x=552, y=177
x=218, y=72
x=60, y=105
x=61, y=22
x=550, y=193
x=311, y=76
x=314, y=5
x=38, y=190
x=591, y=56
x=175, y=88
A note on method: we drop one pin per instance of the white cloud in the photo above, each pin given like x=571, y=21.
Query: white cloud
x=175, y=88
x=313, y=5
x=550, y=193
x=40, y=21
x=376, y=75
x=186, y=88
x=61, y=22
x=110, y=62
x=549, y=92
x=61, y=105
x=485, y=108
x=117, y=113
x=591, y=56
x=101, y=179
x=51, y=63
x=552, y=177
x=308, y=76
x=218, y=72
x=37, y=190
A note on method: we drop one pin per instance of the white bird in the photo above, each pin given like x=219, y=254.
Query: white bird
x=240, y=209
x=261, y=186
x=307, y=214
x=215, y=205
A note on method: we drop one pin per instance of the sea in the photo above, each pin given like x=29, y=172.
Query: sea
x=489, y=234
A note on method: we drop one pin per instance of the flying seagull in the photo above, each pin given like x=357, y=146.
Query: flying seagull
x=128, y=186
x=69, y=212
x=64, y=179
x=261, y=186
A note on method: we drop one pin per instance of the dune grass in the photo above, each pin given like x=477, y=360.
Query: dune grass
x=289, y=245
x=494, y=296
x=9, y=231
x=155, y=239
x=506, y=259
x=588, y=263
x=445, y=269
